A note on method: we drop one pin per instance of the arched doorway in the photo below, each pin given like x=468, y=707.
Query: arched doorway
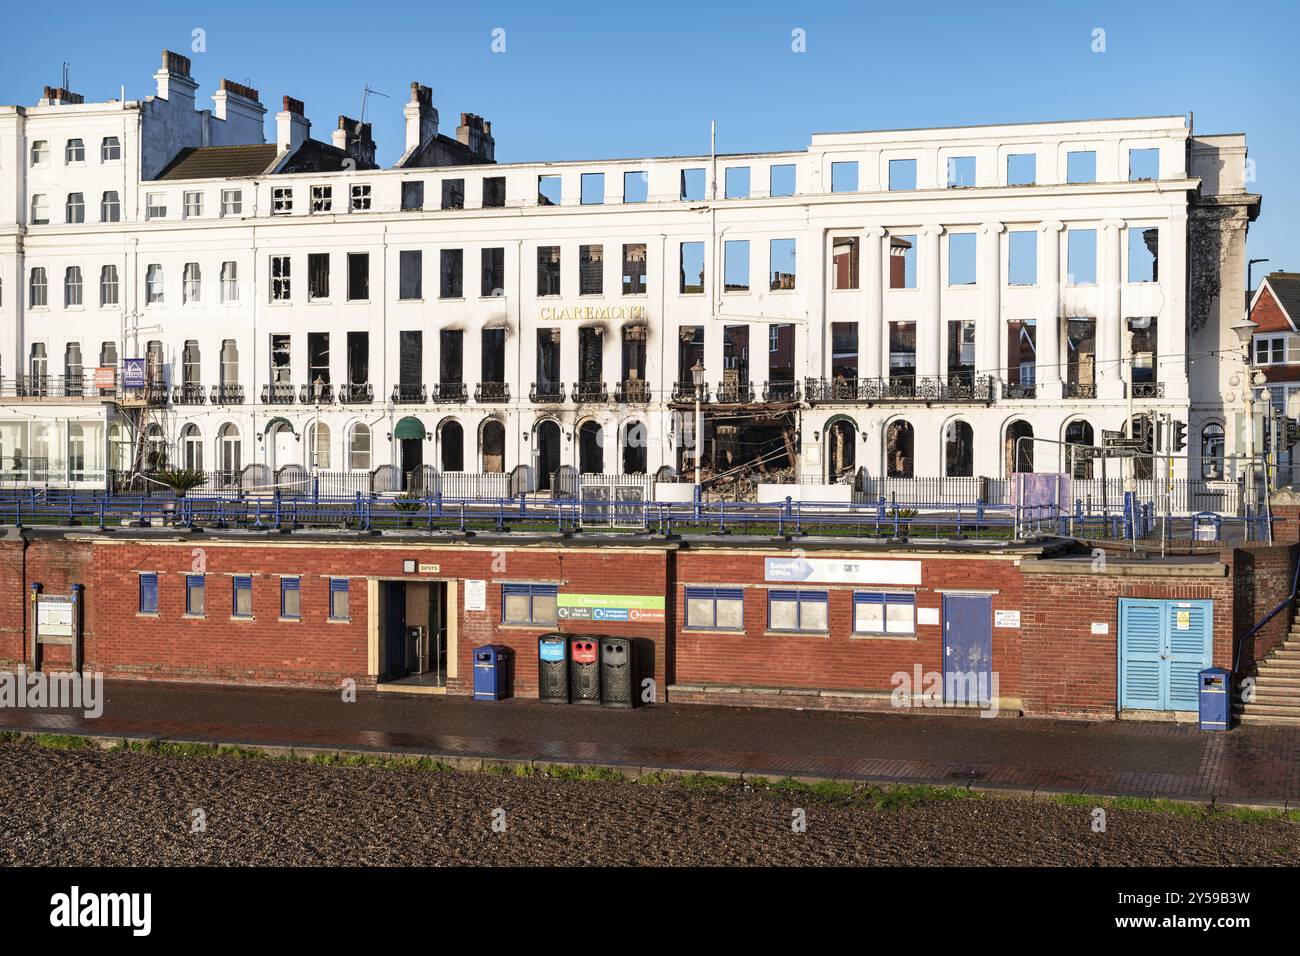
x=841, y=449
x=409, y=435
x=899, y=443
x=492, y=440
x=634, y=449
x=959, y=450
x=591, y=449
x=452, y=441
x=546, y=452
x=1078, y=432
x=1019, y=455
x=279, y=440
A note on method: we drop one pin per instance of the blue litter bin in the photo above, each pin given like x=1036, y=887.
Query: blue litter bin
x=1215, y=697
x=490, y=662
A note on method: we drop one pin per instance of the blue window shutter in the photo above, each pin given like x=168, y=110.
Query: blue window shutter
x=338, y=584
x=729, y=594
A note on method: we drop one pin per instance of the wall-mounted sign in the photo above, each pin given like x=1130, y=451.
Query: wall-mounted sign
x=592, y=313
x=133, y=373
x=1100, y=627
x=927, y=615
x=634, y=608
x=838, y=571
x=430, y=568
x=105, y=376
x=1006, y=618
x=476, y=595
x=54, y=616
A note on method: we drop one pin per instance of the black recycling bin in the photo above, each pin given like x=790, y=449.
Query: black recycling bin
x=584, y=670
x=617, y=672
x=553, y=668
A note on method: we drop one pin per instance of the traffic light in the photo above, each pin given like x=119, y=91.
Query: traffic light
x=1289, y=433
x=1179, y=436
x=1146, y=432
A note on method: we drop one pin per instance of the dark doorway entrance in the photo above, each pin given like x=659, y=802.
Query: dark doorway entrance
x=547, y=453
x=413, y=639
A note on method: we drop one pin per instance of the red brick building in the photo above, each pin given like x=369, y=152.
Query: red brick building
x=812, y=622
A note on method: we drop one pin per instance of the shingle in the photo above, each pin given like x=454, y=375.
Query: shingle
x=220, y=162
x=1286, y=286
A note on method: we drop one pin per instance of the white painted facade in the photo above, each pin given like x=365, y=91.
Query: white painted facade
x=1188, y=364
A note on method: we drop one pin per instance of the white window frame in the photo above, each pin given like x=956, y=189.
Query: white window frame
x=232, y=202
x=114, y=207
x=68, y=157
x=155, y=206
x=110, y=149
x=281, y=284
x=322, y=198
x=230, y=281
x=281, y=200
x=360, y=197
x=192, y=204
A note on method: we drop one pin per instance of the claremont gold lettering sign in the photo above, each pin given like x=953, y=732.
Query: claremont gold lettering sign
x=594, y=313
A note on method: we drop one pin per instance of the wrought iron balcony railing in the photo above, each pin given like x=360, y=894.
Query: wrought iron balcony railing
x=279, y=393
x=356, y=393
x=588, y=393
x=1148, y=389
x=956, y=389
x=547, y=393
x=1080, y=390
x=636, y=392
x=492, y=392
x=685, y=392
x=449, y=392
x=227, y=394
x=780, y=391
x=1023, y=390
x=734, y=393
x=410, y=394
x=188, y=394
x=321, y=393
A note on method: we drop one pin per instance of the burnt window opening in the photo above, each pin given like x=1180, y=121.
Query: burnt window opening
x=693, y=184
x=410, y=359
x=690, y=351
x=453, y=194
x=548, y=357
x=902, y=351
x=692, y=268
x=453, y=446
x=634, y=268
x=493, y=356
x=634, y=448
x=451, y=274
x=1078, y=433
x=358, y=276
x=593, y=189
x=494, y=447
x=548, y=190
x=358, y=358
x=591, y=345
x=1022, y=353
x=281, y=356
x=548, y=270
x=494, y=192
x=634, y=353
x=844, y=351
x=780, y=349
x=841, y=449
x=961, y=351
x=281, y=279
x=735, y=355
x=899, y=443
x=591, y=270
x=318, y=359
x=1018, y=453
x=318, y=275
x=410, y=274
x=1143, y=356
x=844, y=262
x=902, y=262
x=959, y=450
x=781, y=264
x=493, y=263
x=1144, y=255
x=413, y=195
x=450, y=357
x=591, y=449
x=1081, y=351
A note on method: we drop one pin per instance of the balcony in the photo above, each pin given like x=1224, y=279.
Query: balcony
x=734, y=393
x=685, y=392
x=49, y=387
x=910, y=389
x=449, y=392
x=1148, y=389
x=356, y=393
x=589, y=393
x=492, y=392
x=322, y=393
x=635, y=392
x=1080, y=390
x=548, y=393
x=1021, y=391
x=188, y=394
x=227, y=395
x=280, y=393
x=780, y=391
x=410, y=394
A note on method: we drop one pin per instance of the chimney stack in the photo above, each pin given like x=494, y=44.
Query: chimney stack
x=421, y=117
x=354, y=138
x=476, y=133
x=174, y=80
x=58, y=96
x=291, y=126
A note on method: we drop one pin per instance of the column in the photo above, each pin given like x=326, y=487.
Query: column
x=1173, y=345
x=1110, y=378
x=873, y=333
x=1050, y=369
x=929, y=340
x=988, y=333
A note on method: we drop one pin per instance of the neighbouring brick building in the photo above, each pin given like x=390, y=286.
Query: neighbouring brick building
x=803, y=622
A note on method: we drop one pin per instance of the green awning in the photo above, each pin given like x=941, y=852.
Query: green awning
x=278, y=420
x=409, y=428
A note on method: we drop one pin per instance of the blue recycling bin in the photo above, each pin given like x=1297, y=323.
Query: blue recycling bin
x=1215, y=698
x=490, y=662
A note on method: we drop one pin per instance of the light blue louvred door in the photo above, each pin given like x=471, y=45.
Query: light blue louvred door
x=1189, y=642
x=1141, y=643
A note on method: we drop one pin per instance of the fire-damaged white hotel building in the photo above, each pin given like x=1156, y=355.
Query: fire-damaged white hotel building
x=175, y=289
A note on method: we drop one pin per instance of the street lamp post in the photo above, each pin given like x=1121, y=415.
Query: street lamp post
x=697, y=379
x=1245, y=330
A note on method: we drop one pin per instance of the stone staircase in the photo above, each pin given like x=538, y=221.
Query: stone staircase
x=1277, y=686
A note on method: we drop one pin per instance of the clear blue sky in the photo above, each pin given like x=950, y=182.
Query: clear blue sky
x=610, y=79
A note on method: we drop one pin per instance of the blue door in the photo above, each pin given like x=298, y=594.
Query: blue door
x=967, y=647
x=1163, y=646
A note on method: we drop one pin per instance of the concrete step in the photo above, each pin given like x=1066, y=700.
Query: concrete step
x=1270, y=710
x=1273, y=698
x=1284, y=664
x=1262, y=720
